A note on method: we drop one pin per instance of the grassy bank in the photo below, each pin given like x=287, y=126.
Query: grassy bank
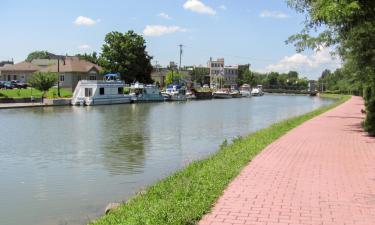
x=26, y=93
x=184, y=197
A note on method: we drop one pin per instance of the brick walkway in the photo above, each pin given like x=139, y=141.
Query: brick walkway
x=322, y=172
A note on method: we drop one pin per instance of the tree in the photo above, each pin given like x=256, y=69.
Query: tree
x=37, y=55
x=89, y=57
x=350, y=27
x=43, y=81
x=173, y=77
x=126, y=54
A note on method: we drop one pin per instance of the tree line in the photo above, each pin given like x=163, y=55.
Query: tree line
x=349, y=27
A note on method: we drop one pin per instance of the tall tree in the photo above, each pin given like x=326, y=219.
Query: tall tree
x=126, y=54
x=349, y=25
x=37, y=55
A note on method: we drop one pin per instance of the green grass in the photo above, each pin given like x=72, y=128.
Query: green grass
x=26, y=93
x=184, y=197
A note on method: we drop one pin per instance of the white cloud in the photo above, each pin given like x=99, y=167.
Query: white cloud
x=159, y=30
x=223, y=7
x=85, y=21
x=311, y=65
x=164, y=15
x=199, y=7
x=84, y=47
x=273, y=14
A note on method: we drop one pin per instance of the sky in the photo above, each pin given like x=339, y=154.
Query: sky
x=241, y=31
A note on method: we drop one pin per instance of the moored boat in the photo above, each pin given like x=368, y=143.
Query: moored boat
x=222, y=94
x=235, y=94
x=100, y=92
x=245, y=90
x=175, y=93
x=145, y=93
x=201, y=95
x=257, y=91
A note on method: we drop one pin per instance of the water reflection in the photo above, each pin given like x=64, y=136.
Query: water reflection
x=123, y=142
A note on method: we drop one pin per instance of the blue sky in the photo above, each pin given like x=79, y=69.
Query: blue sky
x=241, y=31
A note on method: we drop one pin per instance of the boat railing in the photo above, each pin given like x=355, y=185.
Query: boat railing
x=102, y=82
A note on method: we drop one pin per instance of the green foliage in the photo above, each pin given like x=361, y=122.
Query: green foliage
x=199, y=73
x=350, y=27
x=173, y=77
x=274, y=80
x=126, y=54
x=37, y=55
x=43, y=81
x=93, y=57
x=187, y=195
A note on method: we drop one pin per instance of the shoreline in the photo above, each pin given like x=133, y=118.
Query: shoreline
x=188, y=194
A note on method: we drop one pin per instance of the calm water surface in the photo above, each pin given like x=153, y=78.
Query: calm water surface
x=63, y=165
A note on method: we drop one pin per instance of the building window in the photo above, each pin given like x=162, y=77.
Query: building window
x=14, y=77
x=101, y=91
x=62, y=78
x=9, y=78
x=88, y=92
x=92, y=77
x=120, y=90
x=79, y=77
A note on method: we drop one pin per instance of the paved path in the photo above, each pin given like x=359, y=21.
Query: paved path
x=322, y=172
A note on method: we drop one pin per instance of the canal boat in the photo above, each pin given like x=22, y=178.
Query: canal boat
x=202, y=95
x=175, y=93
x=222, y=94
x=245, y=90
x=235, y=94
x=145, y=93
x=257, y=91
x=108, y=91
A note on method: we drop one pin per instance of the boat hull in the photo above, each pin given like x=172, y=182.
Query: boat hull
x=221, y=96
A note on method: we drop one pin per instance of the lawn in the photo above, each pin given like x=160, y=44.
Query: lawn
x=185, y=196
x=27, y=93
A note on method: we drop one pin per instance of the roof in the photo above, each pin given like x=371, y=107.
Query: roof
x=22, y=66
x=69, y=64
x=73, y=64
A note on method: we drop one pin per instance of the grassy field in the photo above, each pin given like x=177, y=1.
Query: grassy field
x=184, y=197
x=26, y=93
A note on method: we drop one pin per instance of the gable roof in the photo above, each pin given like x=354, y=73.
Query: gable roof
x=68, y=64
x=22, y=66
x=73, y=64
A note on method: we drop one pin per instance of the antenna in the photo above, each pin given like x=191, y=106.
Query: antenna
x=181, y=51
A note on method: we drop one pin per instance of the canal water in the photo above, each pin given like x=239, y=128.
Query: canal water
x=62, y=165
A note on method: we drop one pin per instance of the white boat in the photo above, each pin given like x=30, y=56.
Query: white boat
x=258, y=91
x=145, y=93
x=100, y=92
x=222, y=94
x=175, y=93
x=245, y=90
x=235, y=94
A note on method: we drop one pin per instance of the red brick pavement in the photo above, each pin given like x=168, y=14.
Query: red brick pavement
x=322, y=172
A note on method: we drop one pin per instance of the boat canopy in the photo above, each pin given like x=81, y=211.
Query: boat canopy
x=111, y=76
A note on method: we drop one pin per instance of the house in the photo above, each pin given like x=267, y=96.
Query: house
x=20, y=71
x=71, y=69
x=221, y=74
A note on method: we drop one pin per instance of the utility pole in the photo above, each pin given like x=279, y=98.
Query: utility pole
x=58, y=77
x=181, y=51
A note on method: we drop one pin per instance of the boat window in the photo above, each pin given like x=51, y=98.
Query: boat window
x=88, y=92
x=101, y=91
x=120, y=90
